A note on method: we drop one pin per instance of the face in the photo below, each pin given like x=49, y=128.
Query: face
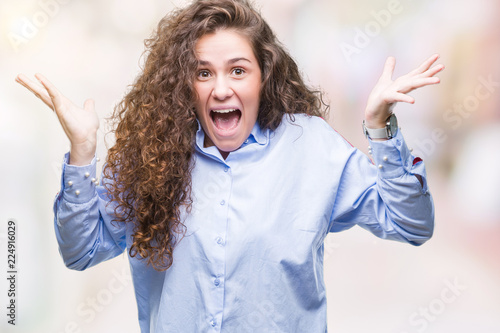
x=228, y=85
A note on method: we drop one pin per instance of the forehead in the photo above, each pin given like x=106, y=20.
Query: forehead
x=224, y=44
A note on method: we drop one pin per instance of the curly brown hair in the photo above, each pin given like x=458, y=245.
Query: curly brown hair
x=148, y=170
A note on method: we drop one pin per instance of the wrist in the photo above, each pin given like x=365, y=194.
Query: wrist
x=80, y=156
x=374, y=124
x=381, y=131
x=376, y=121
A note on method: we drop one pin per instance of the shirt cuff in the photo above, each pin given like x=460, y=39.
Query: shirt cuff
x=78, y=182
x=392, y=157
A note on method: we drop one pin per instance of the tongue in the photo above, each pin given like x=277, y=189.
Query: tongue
x=226, y=121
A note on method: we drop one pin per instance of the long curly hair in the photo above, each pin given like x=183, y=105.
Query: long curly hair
x=148, y=170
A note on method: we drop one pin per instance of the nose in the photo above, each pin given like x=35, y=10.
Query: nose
x=222, y=88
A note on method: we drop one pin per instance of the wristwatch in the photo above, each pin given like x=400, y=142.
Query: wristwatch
x=388, y=132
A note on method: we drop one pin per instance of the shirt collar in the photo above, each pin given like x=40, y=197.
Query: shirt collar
x=258, y=135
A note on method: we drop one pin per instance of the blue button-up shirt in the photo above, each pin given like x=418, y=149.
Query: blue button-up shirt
x=252, y=256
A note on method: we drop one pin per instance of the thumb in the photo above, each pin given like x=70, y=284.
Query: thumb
x=89, y=105
x=390, y=63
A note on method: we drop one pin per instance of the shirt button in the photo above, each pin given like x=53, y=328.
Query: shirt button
x=222, y=203
x=220, y=241
x=226, y=169
x=217, y=282
x=213, y=323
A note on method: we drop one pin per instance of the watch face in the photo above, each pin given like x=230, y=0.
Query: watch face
x=392, y=126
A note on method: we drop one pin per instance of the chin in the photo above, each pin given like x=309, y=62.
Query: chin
x=228, y=146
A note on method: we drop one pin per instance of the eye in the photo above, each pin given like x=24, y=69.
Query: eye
x=238, y=71
x=203, y=74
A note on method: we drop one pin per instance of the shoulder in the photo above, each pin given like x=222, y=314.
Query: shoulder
x=312, y=130
x=301, y=122
x=302, y=118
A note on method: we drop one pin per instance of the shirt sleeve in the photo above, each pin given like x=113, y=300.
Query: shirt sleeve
x=83, y=223
x=389, y=197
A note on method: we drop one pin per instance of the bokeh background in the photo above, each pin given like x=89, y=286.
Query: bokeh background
x=92, y=49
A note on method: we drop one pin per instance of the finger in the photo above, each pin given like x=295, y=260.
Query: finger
x=37, y=90
x=419, y=83
x=404, y=98
x=89, y=105
x=427, y=64
x=397, y=96
x=389, y=66
x=433, y=71
x=54, y=94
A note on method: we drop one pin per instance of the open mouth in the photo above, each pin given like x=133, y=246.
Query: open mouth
x=225, y=120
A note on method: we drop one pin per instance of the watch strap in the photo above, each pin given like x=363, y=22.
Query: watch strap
x=376, y=133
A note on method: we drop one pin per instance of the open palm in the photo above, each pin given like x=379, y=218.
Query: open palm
x=387, y=92
x=79, y=124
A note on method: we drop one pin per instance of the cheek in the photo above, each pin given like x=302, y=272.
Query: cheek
x=255, y=95
x=200, y=93
x=250, y=91
x=257, y=88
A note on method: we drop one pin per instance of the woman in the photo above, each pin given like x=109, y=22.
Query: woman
x=225, y=180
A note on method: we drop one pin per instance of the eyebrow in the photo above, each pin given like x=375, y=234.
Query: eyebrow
x=230, y=61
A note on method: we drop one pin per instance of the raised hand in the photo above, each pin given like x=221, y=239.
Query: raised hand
x=79, y=124
x=387, y=92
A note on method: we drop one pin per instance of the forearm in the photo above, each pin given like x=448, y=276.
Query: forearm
x=402, y=185
x=386, y=198
x=83, y=229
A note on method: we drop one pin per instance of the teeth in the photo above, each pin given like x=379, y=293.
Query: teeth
x=224, y=111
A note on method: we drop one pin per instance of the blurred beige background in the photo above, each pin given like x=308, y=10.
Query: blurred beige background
x=92, y=49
